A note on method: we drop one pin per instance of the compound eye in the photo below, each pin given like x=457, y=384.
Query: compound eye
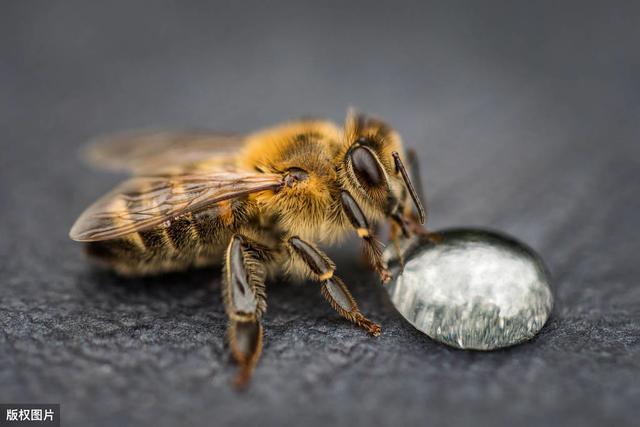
x=366, y=167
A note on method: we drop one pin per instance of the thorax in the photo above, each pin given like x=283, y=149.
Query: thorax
x=308, y=205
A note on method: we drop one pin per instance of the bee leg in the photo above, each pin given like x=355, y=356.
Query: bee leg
x=244, y=297
x=395, y=231
x=333, y=289
x=415, y=228
x=372, y=247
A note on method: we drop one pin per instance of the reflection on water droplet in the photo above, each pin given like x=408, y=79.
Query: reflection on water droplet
x=474, y=289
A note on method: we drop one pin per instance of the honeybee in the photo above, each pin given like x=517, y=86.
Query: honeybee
x=259, y=204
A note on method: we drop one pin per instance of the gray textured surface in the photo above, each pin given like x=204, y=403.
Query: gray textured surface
x=526, y=120
x=473, y=289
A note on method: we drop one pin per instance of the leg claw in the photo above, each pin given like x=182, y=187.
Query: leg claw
x=369, y=326
x=374, y=329
x=385, y=276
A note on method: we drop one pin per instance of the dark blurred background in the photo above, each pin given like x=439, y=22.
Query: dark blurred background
x=526, y=119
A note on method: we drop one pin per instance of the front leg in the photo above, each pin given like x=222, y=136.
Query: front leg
x=372, y=247
x=245, y=302
x=333, y=289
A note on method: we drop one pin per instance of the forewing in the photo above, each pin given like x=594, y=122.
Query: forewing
x=146, y=201
x=154, y=152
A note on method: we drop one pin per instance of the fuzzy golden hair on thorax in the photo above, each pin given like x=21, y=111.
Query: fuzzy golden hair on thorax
x=304, y=151
x=264, y=149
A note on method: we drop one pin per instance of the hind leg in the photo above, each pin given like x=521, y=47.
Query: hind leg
x=245, y=302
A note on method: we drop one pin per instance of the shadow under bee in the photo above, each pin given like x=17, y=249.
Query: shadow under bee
x=192, y=288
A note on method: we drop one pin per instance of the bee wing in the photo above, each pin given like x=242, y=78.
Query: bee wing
x=143, y=152
x=146, y=201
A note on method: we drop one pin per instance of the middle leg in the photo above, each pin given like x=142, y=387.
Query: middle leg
x=333, y=289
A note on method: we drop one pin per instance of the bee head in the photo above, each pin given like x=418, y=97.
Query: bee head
x=373, y=168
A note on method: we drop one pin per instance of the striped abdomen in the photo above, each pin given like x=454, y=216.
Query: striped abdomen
x=193, y=239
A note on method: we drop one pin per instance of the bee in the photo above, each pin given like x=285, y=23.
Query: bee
x=258, y=204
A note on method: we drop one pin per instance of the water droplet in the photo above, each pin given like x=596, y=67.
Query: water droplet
x=473, y=289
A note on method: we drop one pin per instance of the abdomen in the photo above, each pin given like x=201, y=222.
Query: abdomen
x=194, y=239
